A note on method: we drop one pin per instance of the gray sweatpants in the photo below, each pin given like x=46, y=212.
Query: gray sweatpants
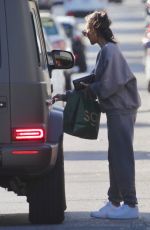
x=121, y=156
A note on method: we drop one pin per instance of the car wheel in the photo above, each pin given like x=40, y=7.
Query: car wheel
x=47, y=195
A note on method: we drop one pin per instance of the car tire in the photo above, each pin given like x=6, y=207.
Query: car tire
x=47, y=195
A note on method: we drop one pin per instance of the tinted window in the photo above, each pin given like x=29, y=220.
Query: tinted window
x=39, y=39
x=49, y=26
x=36, y=40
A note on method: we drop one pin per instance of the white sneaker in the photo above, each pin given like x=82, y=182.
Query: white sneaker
x=124, y=212
x=104, y=211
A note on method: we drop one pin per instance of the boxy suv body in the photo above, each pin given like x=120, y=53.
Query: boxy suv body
x=31, y=153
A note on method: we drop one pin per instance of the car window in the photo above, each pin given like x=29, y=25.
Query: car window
x=41, y=51
x=38, y=48
x=49, y=26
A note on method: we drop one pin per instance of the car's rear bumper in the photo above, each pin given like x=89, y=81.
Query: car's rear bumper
x=27, y=159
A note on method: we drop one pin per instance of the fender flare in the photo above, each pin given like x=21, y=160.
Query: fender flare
x=55, y=125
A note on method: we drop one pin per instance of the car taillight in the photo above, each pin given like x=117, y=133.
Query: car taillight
x=28, y=134
x=25, y=152
x=70, y=13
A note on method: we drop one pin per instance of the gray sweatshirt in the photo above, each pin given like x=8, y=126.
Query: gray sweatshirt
x=115, y=85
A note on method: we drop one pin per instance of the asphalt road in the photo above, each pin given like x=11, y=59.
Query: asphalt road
x=86, y=166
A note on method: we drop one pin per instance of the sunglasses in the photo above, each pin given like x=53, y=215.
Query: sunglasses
x=84, y=32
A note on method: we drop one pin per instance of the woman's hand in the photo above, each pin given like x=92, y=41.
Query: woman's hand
x=84, y=84
x=59, y=97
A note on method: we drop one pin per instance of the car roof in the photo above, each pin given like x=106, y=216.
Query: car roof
x=46, y=14
x=67, y=19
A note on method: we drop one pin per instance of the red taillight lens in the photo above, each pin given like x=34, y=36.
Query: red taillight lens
x=70, y=13
x=28, y=134
x=25, y=152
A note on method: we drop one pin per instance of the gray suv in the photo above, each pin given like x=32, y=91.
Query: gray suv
x=31, y=134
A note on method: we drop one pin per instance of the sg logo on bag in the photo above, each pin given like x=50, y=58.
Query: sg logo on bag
x=91, y=117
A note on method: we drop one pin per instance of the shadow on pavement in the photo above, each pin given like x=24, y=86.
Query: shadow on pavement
x=142, y=125
x=75, y=220
x=14, y=219
x=144, y=111
x=99, y=155
x=137, y=125
x=78, y=220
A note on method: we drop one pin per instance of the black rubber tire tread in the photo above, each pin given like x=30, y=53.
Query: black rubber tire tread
x=47, y=195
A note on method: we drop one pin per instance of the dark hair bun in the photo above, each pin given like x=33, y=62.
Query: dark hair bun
x=102, y=21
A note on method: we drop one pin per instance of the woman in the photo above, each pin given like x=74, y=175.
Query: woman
x=116, y=88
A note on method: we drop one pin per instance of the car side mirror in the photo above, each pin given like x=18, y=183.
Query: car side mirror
x=61, y=59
